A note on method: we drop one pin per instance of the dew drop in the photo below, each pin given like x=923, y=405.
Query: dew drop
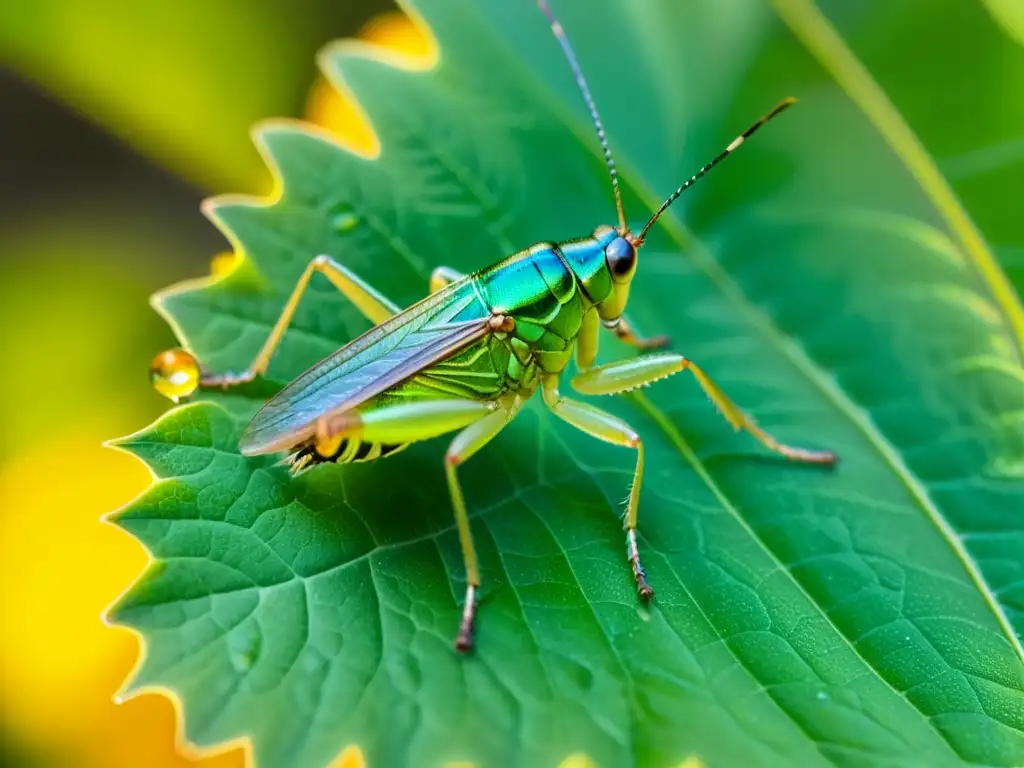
x=174, y=373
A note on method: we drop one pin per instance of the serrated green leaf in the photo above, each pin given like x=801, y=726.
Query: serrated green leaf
x=866, y=616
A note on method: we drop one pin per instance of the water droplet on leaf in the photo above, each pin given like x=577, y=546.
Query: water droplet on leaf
x=174, y=373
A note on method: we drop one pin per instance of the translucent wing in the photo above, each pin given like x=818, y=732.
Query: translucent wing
x=414, y=339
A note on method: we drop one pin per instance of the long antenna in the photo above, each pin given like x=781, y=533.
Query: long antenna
x=581, y=81
x=784, y=104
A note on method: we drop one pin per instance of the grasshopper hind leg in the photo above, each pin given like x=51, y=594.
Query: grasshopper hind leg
x=466, y=443
x=478, y=420
x=375, y=307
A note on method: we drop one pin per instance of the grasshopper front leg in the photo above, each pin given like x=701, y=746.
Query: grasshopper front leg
x=624, y=332
x=623, y=376
x=589, y=338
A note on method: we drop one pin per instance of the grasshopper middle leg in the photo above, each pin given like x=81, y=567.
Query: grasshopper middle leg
x=611, y=429
x=373, y=305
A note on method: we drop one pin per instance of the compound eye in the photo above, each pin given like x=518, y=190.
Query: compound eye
x=621, y=257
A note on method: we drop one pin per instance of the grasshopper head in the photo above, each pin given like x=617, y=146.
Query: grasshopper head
x=620, y=260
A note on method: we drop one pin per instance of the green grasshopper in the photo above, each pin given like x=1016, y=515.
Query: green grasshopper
x=470, y=355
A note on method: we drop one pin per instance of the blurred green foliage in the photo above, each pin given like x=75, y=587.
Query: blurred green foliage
x=182, y=81
x=1010, y=14
x=956, y=79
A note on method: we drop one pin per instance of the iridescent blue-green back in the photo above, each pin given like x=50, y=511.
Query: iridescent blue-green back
x=546, y=290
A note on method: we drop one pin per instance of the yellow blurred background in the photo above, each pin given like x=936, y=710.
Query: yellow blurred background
x=118, y=118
